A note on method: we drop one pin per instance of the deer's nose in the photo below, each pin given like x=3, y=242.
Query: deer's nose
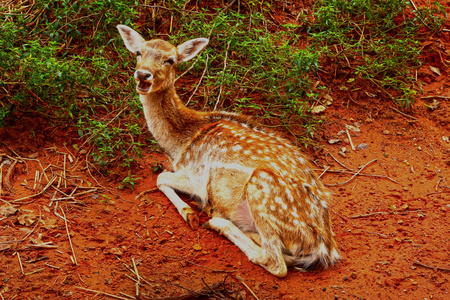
x=143, y=75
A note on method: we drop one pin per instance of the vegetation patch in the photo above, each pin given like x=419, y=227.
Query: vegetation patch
x=64, y=60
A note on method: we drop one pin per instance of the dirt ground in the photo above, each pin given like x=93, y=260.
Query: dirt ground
x=390, y=212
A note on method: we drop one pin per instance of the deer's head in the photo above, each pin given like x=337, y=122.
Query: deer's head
x=156, y=59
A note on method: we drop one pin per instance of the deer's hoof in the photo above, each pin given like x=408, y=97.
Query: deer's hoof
x=192, y=220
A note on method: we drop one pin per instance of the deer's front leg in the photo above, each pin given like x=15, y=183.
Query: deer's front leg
x=167, y=182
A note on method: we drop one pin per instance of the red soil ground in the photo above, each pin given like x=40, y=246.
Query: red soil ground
x=391, y=221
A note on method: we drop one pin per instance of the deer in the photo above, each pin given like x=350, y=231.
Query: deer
x=257, y=188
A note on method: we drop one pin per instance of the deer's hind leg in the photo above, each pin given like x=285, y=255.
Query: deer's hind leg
x=263, y=247
x=268, y=257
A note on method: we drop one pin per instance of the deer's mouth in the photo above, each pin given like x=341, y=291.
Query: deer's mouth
x=143, y=87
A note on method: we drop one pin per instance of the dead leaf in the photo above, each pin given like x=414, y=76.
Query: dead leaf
x=26, y=220
x=49, y=223
x=328, y=100
x=37, y=240
x=7, y=211
x=434, y=105
x=318, y=109
x=435, y=70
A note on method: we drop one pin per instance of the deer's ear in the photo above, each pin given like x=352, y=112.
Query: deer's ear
x=191, y=48
x=133, y=40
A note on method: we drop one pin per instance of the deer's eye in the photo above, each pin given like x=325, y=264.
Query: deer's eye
x=138, y=53
x=169, y=61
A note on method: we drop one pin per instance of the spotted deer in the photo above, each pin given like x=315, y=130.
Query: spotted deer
x=257, y=188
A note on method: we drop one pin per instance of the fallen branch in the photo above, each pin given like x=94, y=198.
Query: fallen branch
x=369, y=215
x=38, y=194
x=359, y=171
x=138, y=281
x=100, y=293
x=403, y=114
x=350, y=139
x=435, y=96
x=248, y=288
x=417, y=263
x=70, y=240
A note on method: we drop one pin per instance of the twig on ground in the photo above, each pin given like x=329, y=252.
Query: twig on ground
x=434, y=193
x=35, y=271
x=100, y=293
x=326, y=169
x=133, y=272
x=192, y=263
x=126, y=295
x=376, y=233
x=350, y=139
x=403, y=114
x=137, y=276
x=342, y=165
x=417, y=263
x=362, y=174
x=343, y=218
x=211, y=289
x=435, y=96
x=437, y=184
x=369, y=215
x=141, y=194
x=68, y=235
x=354, y=175
x=40, y=193
x=51, y=266
x=248, y=288
x=20, y=262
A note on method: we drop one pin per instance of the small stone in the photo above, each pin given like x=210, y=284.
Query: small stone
x=334, y=141
x=353, y=275
x=318, y=109
x=363, y=146
x=386, y=132
x=197, y=247
x=386, y=155
x=324, y=289
x=400, y=222
x=342, y=154
x=345, y=278
x=419, y=148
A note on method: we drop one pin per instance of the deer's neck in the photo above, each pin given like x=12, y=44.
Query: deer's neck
x=170, y=122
